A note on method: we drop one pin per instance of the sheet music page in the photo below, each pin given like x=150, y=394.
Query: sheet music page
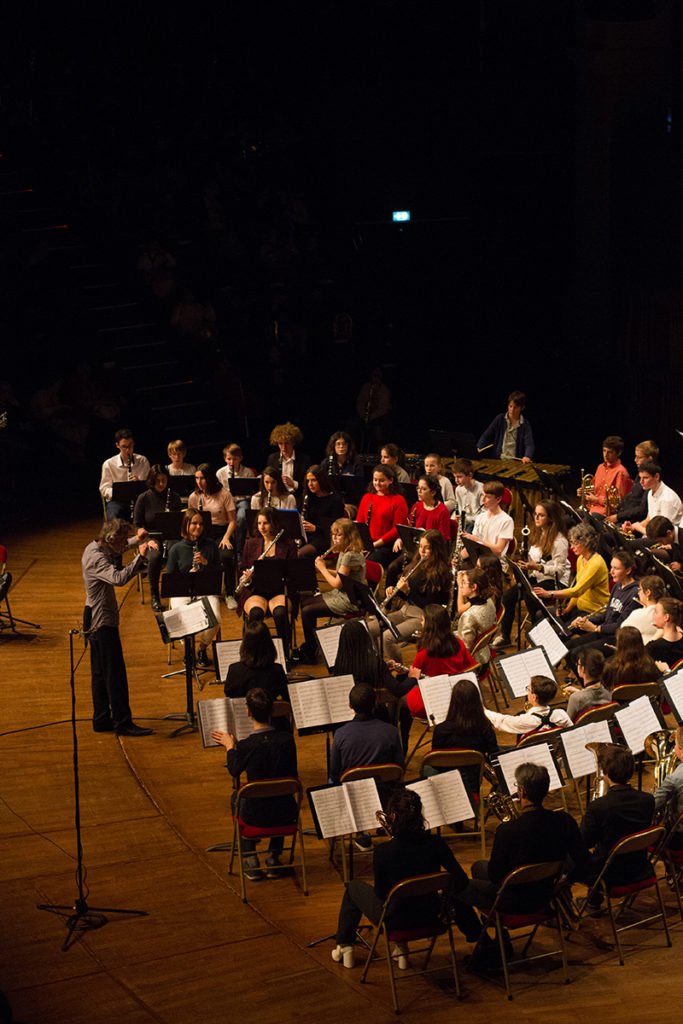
x=519, y=668
x=543, y=635
x=363, y=800
x=431, y=809
x=227, y=653
x=186, y=620
x=309, y=704
x=637, y=720
x=436, y=693
x=452, y=795
x=328, y=638
x=539, y=753
x=580, y=761
x=242, y=725
x=674, y=687
x=332, y=810
x=337, y=689
x=212, y=714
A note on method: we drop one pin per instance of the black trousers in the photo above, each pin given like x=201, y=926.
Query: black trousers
x=111, y=707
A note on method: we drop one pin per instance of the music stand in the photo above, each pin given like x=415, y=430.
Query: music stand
x=409, y=492
x=533, y=603
x=365, y=536
x=289, y=520
x=183, y=485
x=245, y=486
x=168, y=523
x=126, y=491
x=362, y=596
x=450, y=442
x=551, y=483
x=410, y=535
x=194, y=585
x=288, y=576
x=352, y=488
x=474, y=549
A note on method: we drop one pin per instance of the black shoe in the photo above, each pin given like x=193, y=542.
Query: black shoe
x=133, y=730
x=363, y=842
x=157, y=606
x=203, y=659
x=104, y=725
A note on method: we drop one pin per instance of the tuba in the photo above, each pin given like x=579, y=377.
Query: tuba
x=660, y=746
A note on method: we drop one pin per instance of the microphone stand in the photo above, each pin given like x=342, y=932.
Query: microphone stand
x=79, y=916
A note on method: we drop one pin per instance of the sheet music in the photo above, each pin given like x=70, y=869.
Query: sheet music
x=436, y=693
x=543, y=635
x=637, y=720
x=226, y=714
x=519, y=668
x=539, y=753
x=321, y=701
x=328, y=638
x=337, y=689
x=578, y=760
x=186, y=620
x=444, y=798
x=227, y=653
x=674, y=688
x=363, y=801
x=332, y=811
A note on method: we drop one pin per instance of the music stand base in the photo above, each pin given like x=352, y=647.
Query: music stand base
x=82, y=918
x=184, y=716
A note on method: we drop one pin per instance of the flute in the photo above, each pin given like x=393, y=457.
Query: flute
x=248, y=573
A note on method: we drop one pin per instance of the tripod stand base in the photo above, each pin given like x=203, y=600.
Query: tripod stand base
x=82, y=918
x=188, y=718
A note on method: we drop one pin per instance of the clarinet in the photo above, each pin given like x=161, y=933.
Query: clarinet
x=367, y=521
x=195, y=549
x=201, y=503
x=331, y=469
x=129, y=474
x=269, y=499
x=411, y=524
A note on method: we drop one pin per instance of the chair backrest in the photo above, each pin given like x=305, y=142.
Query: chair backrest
x=373, y=572
x=418, y=885
x=379, y=772
x=599, y=713
x=631, y=691
x=454, y=758
x=525, y=874
x=634, y=843
x=484, y=638
x=528, y=739
x=3, y=557
x=265, y=788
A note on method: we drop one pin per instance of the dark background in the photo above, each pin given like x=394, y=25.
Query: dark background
x=537, y=146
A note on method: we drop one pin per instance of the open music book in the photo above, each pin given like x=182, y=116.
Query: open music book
x=444, y=798
x=317, y=702
x=579, y=761
x=543, y=635
x=436, y=694
x=672, y=685
x=226, y=713
x=539, y=753
x=188, y=619
x=227, y=652
x=328, y=639
x=517, y=669
x=341, y=810
x=637, y=720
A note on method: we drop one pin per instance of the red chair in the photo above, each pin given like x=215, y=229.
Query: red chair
x=506, y=500
x=672, y=859
x=7, y=620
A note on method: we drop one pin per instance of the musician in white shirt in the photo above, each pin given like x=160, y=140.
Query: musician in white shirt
x=661, y=500
x=493, y=528
x=119, y=469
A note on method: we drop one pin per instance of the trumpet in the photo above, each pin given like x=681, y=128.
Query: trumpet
x=384, y=822
x=245, y=578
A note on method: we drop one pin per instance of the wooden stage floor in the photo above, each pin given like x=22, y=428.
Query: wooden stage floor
x=150, y=807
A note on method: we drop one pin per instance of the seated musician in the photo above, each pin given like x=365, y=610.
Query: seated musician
x=591, y=692
x=428, y=513
x=667, y=648
x=547, y=564
x=257, y=666
x=439, y=652
x=622, y=811
x=633, y=506
x=468, y=491
x=651, y=589
x=669, y=796
x=466, y=727
x=193, y=553
x=382, y=507
x=434, y=467
x=339, y=599
x=493, y=528
x=273, y=493
x=631, y=664
x=412, y=850
x=540, y=693
x=121, y=468
x=479, y=614
x=210, y=496
x=598, y=629
x=391, y=455
x=664, y=545
x=177, y=451
x=661, y=500
x=590, y=591
x=610, y=473
x=320, y=507
x=229, y=475
x=341, y=458
x=509, y=435
x=268, y=753
x=157, y=498
x=292, y=464
x=255, y=603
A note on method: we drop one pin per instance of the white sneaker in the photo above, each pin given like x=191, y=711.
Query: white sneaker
x=400, y=955
x=344, y=954
x=230, y=602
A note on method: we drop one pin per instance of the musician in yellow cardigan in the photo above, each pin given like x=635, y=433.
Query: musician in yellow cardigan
x=591, y=589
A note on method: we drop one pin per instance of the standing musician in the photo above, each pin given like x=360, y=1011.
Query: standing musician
x=428, y=513
x=590, y=591
x=119, y=469
x=509, y=435
x=434, y=467
x=350, y=569
x=319, y=509
x=273, y=493
x=341, y=458
x=254, y=604
x=547, y=565
x=382, y=508
x=610, y=473
x=633, y=506
x=229, y=475
x=493, y=528
x=193, y=553
x=292, y=465
x=210, y=496
x=157, y=498
x=426, y=580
